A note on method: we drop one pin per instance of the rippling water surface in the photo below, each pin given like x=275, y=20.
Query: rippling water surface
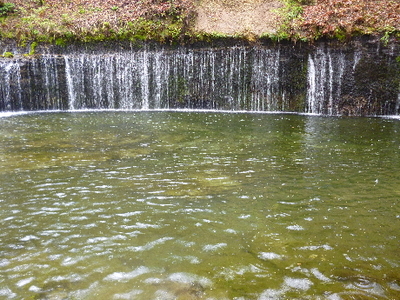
x=186, y=205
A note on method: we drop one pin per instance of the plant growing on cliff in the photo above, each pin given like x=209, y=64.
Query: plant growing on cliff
x=33, y=48
x=8, y=55
x=291, y=10
x=6, y=8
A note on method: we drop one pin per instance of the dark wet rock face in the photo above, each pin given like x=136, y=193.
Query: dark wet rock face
x=358, y=78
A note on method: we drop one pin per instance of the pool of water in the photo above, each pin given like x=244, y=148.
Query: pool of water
x=198, y=205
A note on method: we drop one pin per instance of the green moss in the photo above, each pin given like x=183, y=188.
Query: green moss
x=340, y=34
x=291, y=10
x=281, y=35
x=388, y=32
x=6, y=8
x=60, y=41
x=33, y=48
x=8, y=55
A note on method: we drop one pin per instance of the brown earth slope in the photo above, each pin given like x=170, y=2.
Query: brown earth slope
x=237, y=17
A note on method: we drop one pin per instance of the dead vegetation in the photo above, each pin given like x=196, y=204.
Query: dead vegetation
x=60, y=21
x=346, y=18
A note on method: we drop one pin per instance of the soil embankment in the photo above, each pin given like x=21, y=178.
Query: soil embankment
x=238, y=17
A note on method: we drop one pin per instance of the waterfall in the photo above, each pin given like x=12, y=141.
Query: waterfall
x=144, y=79
x=312, y=88
x=318, y=80
x=265, y=79
x=70, y=84
x=232, y=78
x=10, y=88
x=325, y=75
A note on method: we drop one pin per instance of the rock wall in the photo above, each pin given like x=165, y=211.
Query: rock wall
x=361, y=77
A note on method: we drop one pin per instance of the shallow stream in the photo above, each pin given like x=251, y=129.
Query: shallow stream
x=198, y=205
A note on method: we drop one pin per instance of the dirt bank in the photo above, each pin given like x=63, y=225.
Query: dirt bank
x=237, y=17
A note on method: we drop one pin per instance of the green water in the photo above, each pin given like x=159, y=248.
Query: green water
x=189, y=205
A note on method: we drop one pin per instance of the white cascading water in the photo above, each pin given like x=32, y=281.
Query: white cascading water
x=312, y=85
x=228, y=78
x=145, y=80
x=398, y=101
x=70, y=83
x=325, y=76
x=266, y=72
x=10, y=87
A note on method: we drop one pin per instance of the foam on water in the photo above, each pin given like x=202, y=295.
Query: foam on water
x=295, y=227
x=188, y=278
x=126, y=276
x=211, y=248
x=269, y=255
